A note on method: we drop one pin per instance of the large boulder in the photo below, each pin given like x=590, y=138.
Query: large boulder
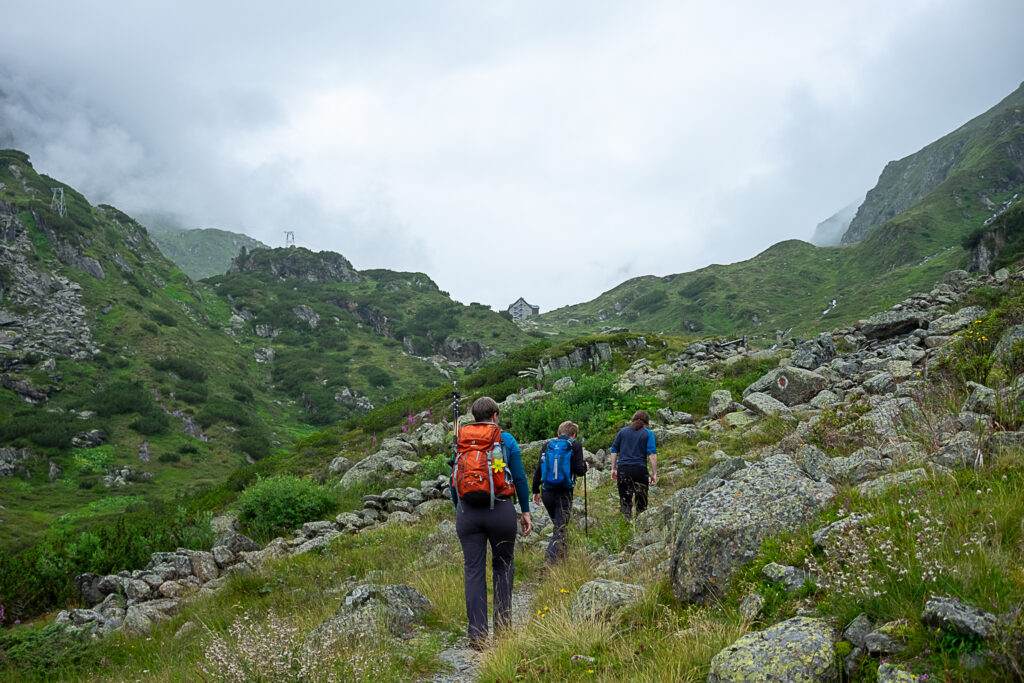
x=954, y=322
x=379, y=465
x=892, y=323
x=141, y=617
x=790, y=385
x=720, y=403
x=1008, y=341
x=601, y=597
x=371, y=609
x=797, y=650
x=814, y=353
x=725, y=527
x=890, y=416
x=957, y=618
x=763, y=404
x=433, y=438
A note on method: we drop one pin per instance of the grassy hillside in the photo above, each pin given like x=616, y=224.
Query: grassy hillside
x=203, y=252
x=171, y=379
x=954, y=533
x=792, y=283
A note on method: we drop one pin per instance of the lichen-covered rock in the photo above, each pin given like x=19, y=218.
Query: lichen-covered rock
x=815, y=463
x=797, y=650
x=1008, y=341
x=726, y=526
x=140, y=617
x=957, y=618
x=888, y=481
x=601, y=597
x=763, y=404
x=814, y=353
x=954, y=322
x=858, y=630
x=961, y=450
x=889, y=417
x=864, y=464
x=790, y=578
x=893, y=673
x=790, y=385
x=751, y=606
x=720, y=403
x=882, y=383
x=369, y=610
x=981, y=399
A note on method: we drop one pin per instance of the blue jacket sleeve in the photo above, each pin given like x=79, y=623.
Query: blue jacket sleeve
x=515, y=463
x=615, y=444
x=651, y=449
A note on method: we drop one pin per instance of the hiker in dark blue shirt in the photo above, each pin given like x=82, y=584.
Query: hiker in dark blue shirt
x=561, y=461
x=633, y=447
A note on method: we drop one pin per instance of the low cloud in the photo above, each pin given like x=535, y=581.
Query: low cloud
x=505, y=149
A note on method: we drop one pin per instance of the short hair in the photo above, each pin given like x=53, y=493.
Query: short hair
x=568, y=428
x=484, y=408
x=640, y=419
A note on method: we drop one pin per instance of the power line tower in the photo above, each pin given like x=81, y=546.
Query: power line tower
x=289, y=238
x=57, y=203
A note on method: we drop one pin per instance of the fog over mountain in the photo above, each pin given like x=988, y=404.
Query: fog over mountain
x=469, y=141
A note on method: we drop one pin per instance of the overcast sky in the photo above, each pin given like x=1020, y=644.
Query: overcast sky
x=542, y=149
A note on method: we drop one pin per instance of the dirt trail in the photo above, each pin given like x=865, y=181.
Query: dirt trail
x=462, y=660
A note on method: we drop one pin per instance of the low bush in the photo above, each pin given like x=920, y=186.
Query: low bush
x=182, y=367
x=163, y=317
x=46, y=649
x=280, y=503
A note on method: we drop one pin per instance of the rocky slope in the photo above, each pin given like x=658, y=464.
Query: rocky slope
x=906, y=182
x=866, y=384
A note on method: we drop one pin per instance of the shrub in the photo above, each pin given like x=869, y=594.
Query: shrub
x=150, y=424
x=169, y=457
x=182, y=367
x=163, y=317
x=280, y=503
x=225, y=411
x=44, y=649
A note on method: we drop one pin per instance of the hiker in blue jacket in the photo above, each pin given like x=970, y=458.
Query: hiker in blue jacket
x=631, y=450
x=494, y=525
x=558, y=485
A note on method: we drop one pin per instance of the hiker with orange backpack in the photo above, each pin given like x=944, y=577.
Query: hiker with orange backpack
x=487, y=472
x=561, y=461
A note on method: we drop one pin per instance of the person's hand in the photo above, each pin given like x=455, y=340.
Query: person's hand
x=536, y=499
x=587, y=464
x=525, y=523
x=615, y=476
x=654, y=479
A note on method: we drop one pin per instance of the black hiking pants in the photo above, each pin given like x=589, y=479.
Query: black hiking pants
x=477, y=528
x=634, y=481
x=559, y=506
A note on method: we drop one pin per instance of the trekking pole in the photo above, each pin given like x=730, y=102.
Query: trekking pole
x=455, y=422
x=586, y=508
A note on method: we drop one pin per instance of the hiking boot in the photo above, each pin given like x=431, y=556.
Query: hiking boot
x=478, y=644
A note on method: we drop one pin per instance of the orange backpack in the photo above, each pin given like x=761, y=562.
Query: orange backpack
x=479, y=472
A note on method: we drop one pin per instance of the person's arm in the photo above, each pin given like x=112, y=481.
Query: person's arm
x=514, y=460
x=537, y=473
x=615, y=456
x=579, y=463
x=652, y=457
x=536, y=476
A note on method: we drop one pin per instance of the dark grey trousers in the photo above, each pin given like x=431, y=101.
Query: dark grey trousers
x=559, y=505
x=478, y=527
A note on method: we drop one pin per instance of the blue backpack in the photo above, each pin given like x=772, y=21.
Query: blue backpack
x=556, y=465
